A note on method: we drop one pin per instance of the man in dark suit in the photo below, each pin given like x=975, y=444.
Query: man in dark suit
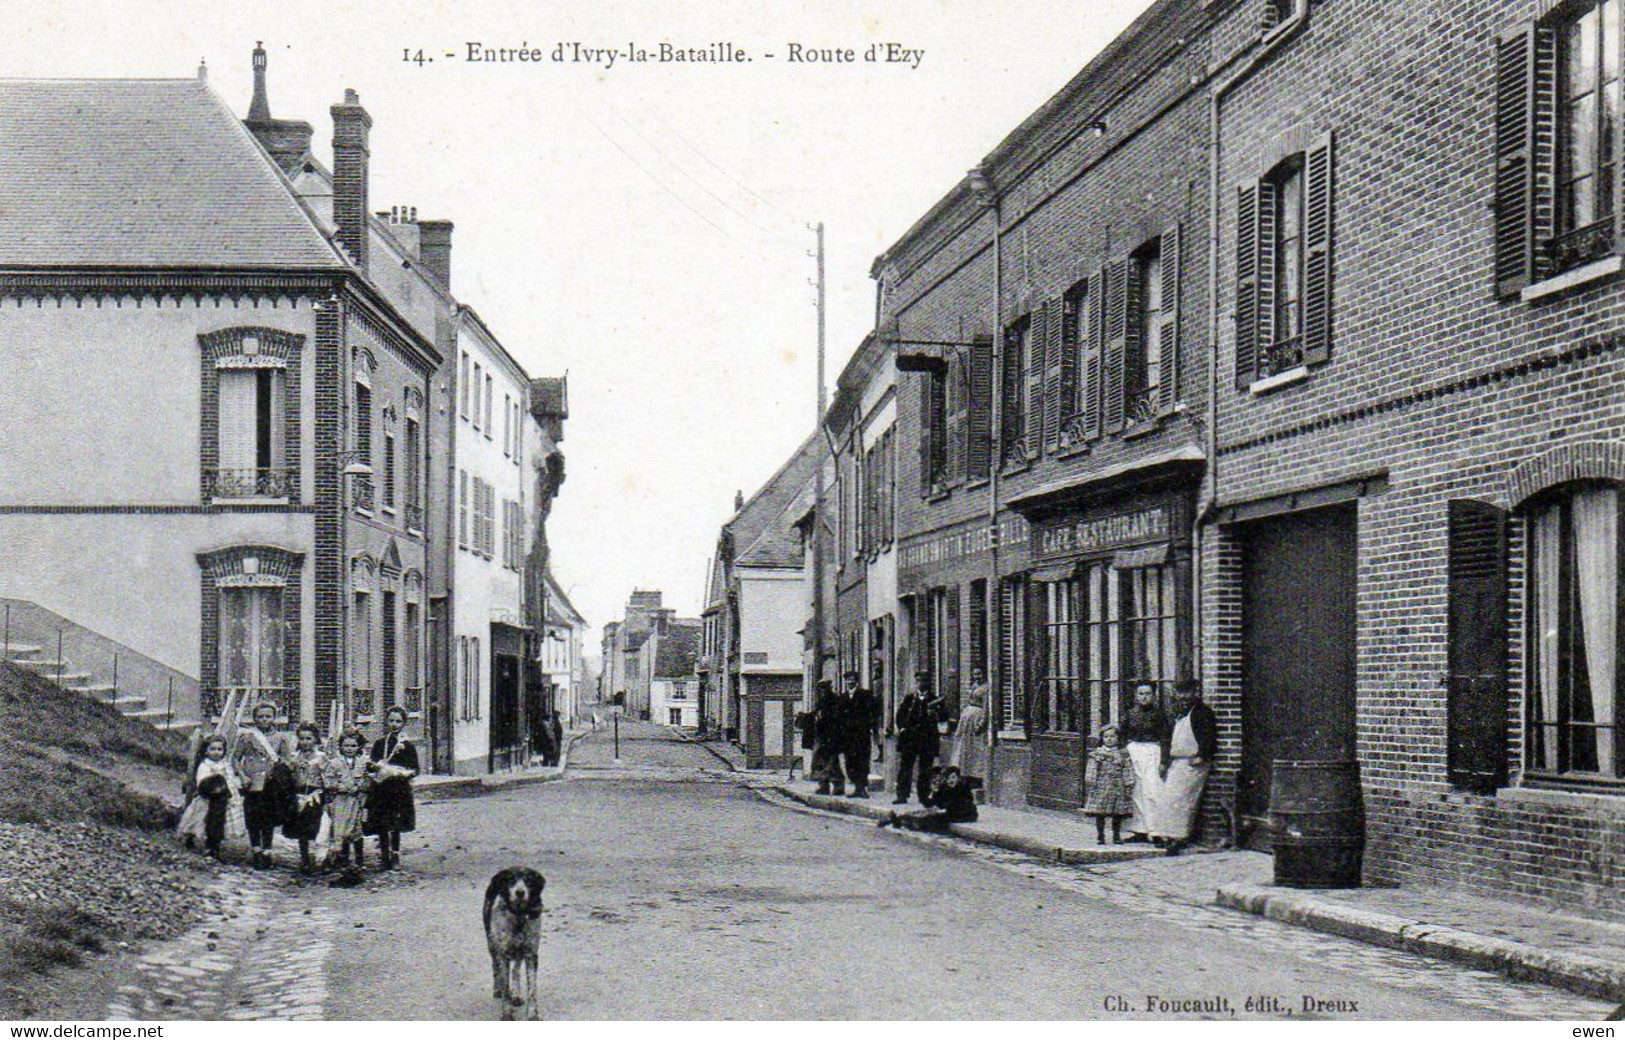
x=918, y=739
x=862, y=730
x=829, y=738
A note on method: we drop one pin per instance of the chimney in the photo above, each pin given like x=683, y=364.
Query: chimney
x=288, y=140
x=434, y=250
x=739, y=501
x=350, y=126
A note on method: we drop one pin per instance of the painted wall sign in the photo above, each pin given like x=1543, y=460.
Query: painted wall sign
x=946, y=546
x=1092, y=534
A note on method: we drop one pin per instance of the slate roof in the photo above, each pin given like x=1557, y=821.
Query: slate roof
x=142, y=173
x=678, y=650
x=764, y=530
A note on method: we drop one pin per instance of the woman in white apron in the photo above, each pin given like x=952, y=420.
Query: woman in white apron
x=1145, y=730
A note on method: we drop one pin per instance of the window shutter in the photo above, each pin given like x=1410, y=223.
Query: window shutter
x=1525, y=73
x=1056, y=400
x=1037, y=356
x=979, y=430
x=1318, y=193
x=1112, y=360
x=239, y=414
x=1477, y=646
x=1170, y=257
x=1012, y=655
x=1246, y=314
x=1134, y=331
x=950, y=657
x=1067, y=398
x=1033, y=668
x=1267, y=236
x=924, y=382
x=1090, y=363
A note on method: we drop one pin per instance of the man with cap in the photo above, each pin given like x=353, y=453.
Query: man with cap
x=862, y=731
x=918, y=739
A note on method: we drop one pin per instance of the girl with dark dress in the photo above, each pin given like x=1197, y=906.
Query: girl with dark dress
x=305, y=823
x=390, y=809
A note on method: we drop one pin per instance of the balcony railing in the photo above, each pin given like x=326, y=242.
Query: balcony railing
x=363, y=705
x=252, y=482
x=1140, y=406
x=363, y=492
x=412, y=699
x=1280, y=357
x=212, y=700
x=1583, y=245
x=414, y=517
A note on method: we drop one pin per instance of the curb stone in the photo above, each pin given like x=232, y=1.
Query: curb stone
x=469, y=786
x=977, y=832
x=1577, y=973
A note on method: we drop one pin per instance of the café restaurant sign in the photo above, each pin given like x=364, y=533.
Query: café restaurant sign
x=1073, y=536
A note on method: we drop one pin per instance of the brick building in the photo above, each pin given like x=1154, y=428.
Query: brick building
x=1229, y=362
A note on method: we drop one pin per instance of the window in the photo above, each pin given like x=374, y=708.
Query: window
x=414, y=476
x=361, y=643
x=507, y=425
x=1018, y=351
x=1283, y=266
x=388, y=693
x=252, y=637
x=476, y=384
x=1077, y=388
x=489, y=392
x=1142, y=362
x=411, y=656
x=463, y=386
x=1105, y=629
x=251, y=434
x=476, y=705
x=389, y=471
x=1574, y=676
x=675, y=715
x=462, y=509
x=1012, y=714
x=933, y=431
x=1588, y=112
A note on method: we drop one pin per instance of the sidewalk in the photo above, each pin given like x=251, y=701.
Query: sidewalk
x=1577, y=954
x=1582, y=955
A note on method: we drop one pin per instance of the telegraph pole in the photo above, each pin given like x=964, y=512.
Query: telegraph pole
x=818, y=485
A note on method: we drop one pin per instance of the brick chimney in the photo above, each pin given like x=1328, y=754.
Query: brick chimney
x=288, y=140
x=351, y=124
x=434, y=250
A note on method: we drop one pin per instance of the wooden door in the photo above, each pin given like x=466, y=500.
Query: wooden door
x=1298, y=644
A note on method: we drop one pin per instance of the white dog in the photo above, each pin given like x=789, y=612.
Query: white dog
x=513, y=910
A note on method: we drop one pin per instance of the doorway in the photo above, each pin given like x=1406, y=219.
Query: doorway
x=1298, y=646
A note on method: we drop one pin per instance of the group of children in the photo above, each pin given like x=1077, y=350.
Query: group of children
x=258, y=783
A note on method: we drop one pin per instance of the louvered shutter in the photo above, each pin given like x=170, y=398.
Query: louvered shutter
x=1090, y=362
x=1525, y=125
x=1477, y=646
x=1033, y=398
x=1246, y=315
x=1008, y=655
x=1170, y=258
x=1318, y=193
x=1112, y=359
x=1267, y=236
x=926, y=434
x=979, y=427
x=239, y=413
x=1035, y=666
x=1073, y=333
x=1056, y=401
x=958, y=387
x=1134, y=331
x=951, y=648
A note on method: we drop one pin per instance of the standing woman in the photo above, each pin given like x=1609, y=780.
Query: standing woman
x=305, y=823
x=261, y=759
x=345, y=781
x=390, y=809
x=1145, y=729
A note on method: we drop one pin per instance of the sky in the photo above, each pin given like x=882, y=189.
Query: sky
x=644, y=227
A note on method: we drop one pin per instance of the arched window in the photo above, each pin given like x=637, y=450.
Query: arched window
x=250, y=414
x=1574, y=683
x=251, y=644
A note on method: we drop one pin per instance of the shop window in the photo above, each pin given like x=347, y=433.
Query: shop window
x=1574, y=676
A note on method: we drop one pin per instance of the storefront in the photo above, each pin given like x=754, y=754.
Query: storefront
x=1104, y=605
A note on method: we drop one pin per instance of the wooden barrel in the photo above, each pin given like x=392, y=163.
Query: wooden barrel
x=1318, y=823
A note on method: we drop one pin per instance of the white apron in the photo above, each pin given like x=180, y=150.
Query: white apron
x=1181, y=792
x=1147, y=760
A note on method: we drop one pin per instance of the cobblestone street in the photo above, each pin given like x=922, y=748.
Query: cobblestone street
x=667, y=858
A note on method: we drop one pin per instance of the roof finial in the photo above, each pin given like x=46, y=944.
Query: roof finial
x=203, y=70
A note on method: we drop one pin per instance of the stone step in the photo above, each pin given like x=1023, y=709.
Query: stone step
x=43, y=664
x=129, y=704
x=19, y=651
x=67, y=680
x=100, y=691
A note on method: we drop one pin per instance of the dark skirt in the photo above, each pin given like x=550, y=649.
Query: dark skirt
x=303, y=824
x=390, y=807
